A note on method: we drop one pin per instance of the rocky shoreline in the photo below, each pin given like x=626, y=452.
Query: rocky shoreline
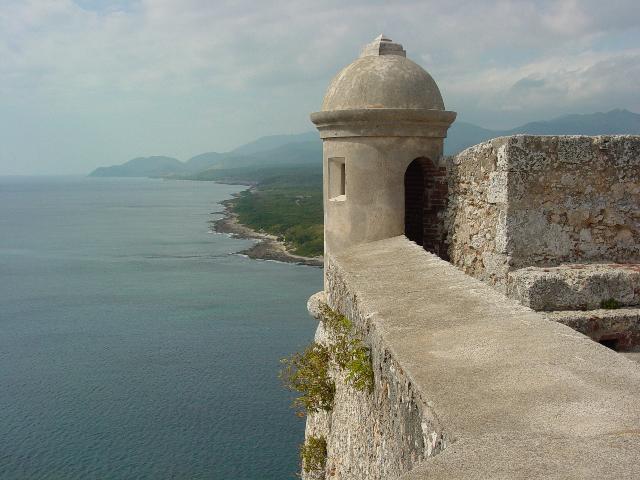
x=268, y=246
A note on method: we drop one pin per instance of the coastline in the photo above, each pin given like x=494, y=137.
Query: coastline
x=268, y=246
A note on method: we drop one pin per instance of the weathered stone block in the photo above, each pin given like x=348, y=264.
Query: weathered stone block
x=543, y=201
x=575, y=286
x=619, y=329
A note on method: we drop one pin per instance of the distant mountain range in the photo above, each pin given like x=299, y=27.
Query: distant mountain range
x=306, y=148
x=616, y=122
x=142, y=167
x=275, y=150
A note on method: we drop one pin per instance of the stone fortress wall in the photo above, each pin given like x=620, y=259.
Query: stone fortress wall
x=474, y=309
x=467, y=383
x=553, y=222
x=543, y=201
x=476, y=213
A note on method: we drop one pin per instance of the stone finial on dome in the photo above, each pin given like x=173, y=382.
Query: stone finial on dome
x=382, y=46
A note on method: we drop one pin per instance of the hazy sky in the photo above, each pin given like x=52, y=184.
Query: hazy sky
x=92, y=82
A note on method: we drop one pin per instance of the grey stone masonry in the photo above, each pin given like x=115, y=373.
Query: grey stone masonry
x=542, y=201
x=619, y=328
x=468, y=383
x=575, y=286
x=382, y=45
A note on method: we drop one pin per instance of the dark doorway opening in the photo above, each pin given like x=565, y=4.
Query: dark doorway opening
x=414, y=202
x=611, y=343
x=425, y=187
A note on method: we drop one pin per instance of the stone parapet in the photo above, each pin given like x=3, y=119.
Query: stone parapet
x=468, y=383
x=476, y=214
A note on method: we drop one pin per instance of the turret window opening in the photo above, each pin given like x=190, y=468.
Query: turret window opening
x=337, y=179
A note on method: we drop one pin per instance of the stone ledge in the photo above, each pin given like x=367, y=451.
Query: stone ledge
x=635, y=356
x=538, y=457
x=620, y=327
x=394, y=122
x=515, y=395
x=575, y=286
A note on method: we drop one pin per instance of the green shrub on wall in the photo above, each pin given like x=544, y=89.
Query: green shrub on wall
x=334, y=322
x=349, y=352
x=359, y=367
x=308, y=374
x=313, y=454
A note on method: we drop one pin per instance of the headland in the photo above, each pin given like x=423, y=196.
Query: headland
x=268, y=246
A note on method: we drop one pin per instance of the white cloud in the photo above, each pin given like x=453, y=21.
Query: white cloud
x=167, y=43
x=244, y=59
x=582, y=83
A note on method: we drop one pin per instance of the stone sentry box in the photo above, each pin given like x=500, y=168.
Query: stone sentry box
x=379, y=114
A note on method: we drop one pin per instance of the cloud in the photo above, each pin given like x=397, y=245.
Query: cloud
x=181, y=44
x=583, y=83
x=527, y=84
x=232, y=70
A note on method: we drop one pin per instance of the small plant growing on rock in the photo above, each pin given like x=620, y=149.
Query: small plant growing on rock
x=360, y=368
x=334, y=322
x=610, y=304
x=313, y=454
x=308, y=374
x=349, y=353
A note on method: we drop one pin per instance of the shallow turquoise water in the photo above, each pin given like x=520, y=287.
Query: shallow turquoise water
x=132, y=344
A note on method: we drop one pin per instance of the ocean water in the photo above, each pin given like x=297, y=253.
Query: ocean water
x=133, y=345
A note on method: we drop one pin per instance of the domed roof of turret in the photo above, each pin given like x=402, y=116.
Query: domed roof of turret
x=383, y=78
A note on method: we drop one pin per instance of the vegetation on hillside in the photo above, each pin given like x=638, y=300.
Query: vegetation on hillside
x=289, y=175
x=293, y=215
x=286, y=202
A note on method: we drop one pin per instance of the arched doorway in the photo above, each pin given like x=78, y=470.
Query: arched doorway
x=425, y=196
x=414, y=202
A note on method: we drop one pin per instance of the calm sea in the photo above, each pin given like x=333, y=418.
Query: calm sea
x=133, y=345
